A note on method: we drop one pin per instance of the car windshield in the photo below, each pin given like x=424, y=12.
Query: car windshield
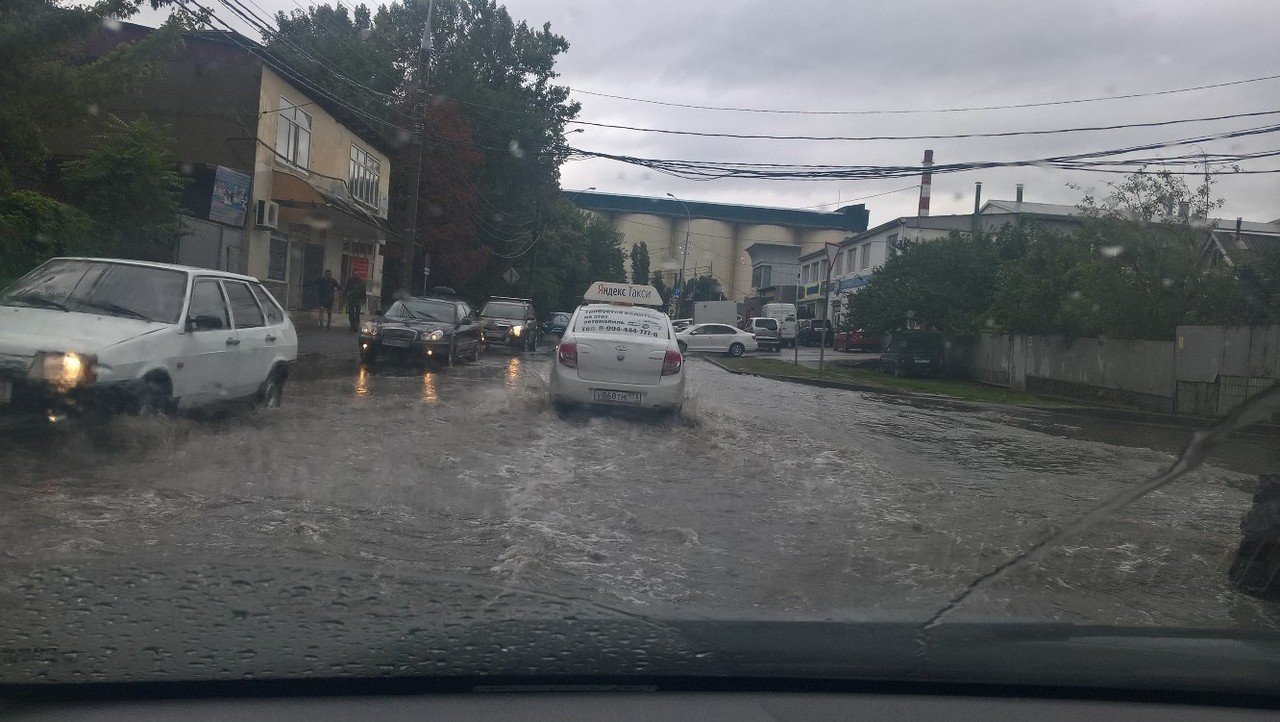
x=423, y=309
x=512, y=311
x=984, y=386
x=110, y=289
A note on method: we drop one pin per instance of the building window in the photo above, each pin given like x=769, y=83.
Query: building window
x=762, y=276
x=866, y=255
x=277, y=259
x=891, y=244
x=293, y=135
x=839, y=264
x=365, y=171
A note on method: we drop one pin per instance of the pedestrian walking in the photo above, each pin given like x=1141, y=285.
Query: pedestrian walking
x=354, y=292
x=326, y=287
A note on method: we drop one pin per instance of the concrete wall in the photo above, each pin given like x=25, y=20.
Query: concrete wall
x=1139, y=374
x=1208, y=371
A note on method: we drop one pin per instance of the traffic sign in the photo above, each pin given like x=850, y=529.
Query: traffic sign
x=511, y=276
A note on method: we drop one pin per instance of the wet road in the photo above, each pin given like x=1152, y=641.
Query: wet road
x=764, y=499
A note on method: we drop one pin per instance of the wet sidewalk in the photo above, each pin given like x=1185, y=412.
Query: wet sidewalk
x=324, y=350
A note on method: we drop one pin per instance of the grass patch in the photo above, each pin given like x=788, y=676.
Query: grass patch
x=955, y=388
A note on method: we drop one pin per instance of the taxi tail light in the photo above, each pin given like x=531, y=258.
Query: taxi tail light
x=671, y=363
x=567, y=353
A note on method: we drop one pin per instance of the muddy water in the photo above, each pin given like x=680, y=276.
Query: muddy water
x=763, y=499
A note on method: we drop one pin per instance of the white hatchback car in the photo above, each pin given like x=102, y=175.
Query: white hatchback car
x=89, y=334
x=716, y=338
x=616, y=353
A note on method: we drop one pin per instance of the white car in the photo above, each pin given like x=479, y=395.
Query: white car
x=90, y=334
x=716, y=338
x=616, y=353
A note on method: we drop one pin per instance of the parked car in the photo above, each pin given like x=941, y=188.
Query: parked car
x=912, y=353
x=434, y=327
x=556, y=323
x=767, y=332
x=813, y=331
x=618, y=355
x=716, y=338
x=855, y=340
x=101, y=334
x=510, y=322
x=680, y=324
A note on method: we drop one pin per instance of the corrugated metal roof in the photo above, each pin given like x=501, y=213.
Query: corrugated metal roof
x=1037, y=209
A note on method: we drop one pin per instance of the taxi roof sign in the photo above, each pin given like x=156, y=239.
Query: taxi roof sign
x=623, y=293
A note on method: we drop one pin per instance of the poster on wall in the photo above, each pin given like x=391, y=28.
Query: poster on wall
x=360, y=266
x=230, y=199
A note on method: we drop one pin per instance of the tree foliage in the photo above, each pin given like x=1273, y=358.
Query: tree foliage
x=640, y=263
x=1136, y=268
x=129, y=189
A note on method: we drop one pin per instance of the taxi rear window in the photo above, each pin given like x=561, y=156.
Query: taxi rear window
x=622, y=321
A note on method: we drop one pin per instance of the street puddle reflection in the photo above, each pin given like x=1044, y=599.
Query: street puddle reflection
x=513, y=372
x=429, y=388
x=362, y=382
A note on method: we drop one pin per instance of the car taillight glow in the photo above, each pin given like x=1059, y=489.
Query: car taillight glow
x=567, y=353
x=671, y=363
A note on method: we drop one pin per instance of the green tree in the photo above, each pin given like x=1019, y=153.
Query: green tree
x=944, y=285
x=1147, y=271
x=128, y=188
x=640, y=263
x=34, y=227
x=1039, y=280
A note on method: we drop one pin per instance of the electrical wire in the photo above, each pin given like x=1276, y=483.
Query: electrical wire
x=936, y=136
x=931, y=110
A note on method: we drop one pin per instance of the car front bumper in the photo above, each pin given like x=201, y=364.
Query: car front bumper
x=405, y=347
x=566, y=387
x=26, y=401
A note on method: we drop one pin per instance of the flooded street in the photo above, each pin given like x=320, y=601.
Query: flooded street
x=764, y=499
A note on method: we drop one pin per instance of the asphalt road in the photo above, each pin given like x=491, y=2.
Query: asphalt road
x=763, y=499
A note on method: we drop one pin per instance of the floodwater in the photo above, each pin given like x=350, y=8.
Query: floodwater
x=762, y=500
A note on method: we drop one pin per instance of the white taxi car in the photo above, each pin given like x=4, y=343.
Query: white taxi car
x=619, y=350
x=89, y=334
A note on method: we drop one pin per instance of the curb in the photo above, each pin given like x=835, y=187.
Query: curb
x=1111, y=414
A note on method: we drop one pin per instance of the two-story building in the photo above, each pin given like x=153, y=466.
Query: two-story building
x=284, y=182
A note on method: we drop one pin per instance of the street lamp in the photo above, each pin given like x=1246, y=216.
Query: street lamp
x=684, y=257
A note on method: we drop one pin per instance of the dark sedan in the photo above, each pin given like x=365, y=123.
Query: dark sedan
x=421, y=329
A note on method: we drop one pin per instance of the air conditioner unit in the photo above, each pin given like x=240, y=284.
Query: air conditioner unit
x=267, y=214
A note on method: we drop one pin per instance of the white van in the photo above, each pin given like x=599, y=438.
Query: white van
x=90, y=334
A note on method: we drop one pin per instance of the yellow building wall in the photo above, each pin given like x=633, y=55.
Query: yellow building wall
x=655, y=232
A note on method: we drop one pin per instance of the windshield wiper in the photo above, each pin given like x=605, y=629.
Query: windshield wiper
x=38, y=301
x=424, y=316
x=116, y=309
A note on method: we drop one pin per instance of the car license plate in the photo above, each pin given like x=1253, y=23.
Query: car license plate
x=605, y=396
x=6, y=392
x=395, y=342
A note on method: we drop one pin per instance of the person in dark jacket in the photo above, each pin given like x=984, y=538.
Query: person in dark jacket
x=354, y=292
x=326, y=288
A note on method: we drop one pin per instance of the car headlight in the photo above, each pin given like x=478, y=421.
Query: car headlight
x=65, y=370
x=517, y=330
x=435, y=335
x=369, y=328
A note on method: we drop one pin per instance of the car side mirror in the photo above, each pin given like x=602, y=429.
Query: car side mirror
x=204, y=323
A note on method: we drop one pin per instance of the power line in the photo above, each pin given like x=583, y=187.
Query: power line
x=710, y=170
x=938, y=136
x=929, y=110
x=863, y=198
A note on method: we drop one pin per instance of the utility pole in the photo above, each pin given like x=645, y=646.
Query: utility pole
x=410, y=241
x=684, y=258
x=832, y=250
x=537, y=236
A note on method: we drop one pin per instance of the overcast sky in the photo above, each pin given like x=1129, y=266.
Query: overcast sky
x=890, y=55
